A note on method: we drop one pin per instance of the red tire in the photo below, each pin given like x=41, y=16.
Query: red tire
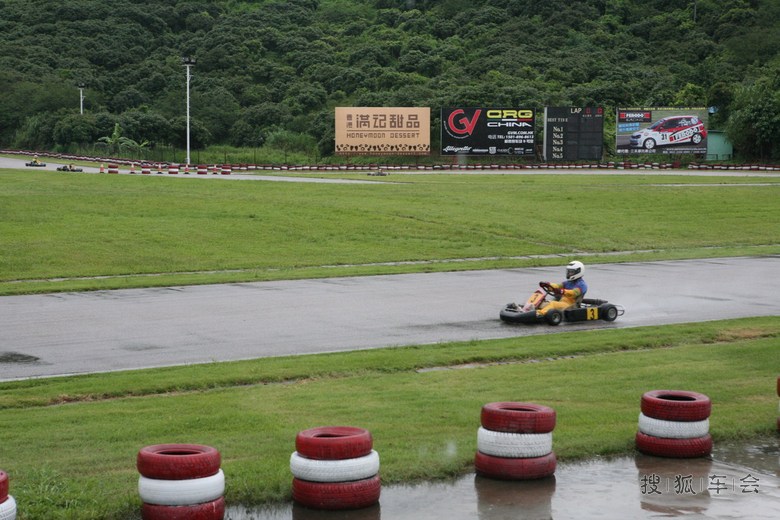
x=3, y=486
x=334, y=443
x=511, y=417
x=674, y=448
x=676, y=405
x=515, y=469
x=356, y=494
x=178, y=461
x=214, y=510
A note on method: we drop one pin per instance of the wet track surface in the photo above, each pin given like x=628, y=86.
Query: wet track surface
x=72, y=333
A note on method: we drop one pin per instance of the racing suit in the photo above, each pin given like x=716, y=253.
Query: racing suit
x=571, y=293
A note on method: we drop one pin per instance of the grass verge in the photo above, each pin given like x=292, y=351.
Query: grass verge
x=69, y=444
x=61, y=232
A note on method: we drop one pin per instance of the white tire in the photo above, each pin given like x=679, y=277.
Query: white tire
x=673, y=429
x=186, y=492
x=343, y=470
x=8, y=509
x=514, y=445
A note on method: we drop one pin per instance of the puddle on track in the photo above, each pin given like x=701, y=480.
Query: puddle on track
x=740, y=481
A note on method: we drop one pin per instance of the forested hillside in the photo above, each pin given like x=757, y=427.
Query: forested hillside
x=266, y=66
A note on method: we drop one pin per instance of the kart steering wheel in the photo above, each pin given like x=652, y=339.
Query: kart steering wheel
x=547, y=287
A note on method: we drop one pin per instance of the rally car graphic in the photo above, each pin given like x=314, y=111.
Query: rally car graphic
x=670, y=130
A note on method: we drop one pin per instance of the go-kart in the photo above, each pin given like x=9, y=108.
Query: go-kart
x=69, y=168
x=584, y=310
x=36, y=163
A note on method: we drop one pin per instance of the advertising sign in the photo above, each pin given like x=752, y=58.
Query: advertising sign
x=487, y=131
x=573, y=133
x=667, y=130
x=383, y=131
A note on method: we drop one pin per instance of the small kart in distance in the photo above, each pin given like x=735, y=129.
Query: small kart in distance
x=35, y=163
x=586, y=309
x=69, y=168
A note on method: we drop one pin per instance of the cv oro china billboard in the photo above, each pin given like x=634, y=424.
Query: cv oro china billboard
x=487, y=131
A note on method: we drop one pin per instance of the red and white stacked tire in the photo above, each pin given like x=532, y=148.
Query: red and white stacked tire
x=113, y=168
x=181, y=481
x=7, y=502
x=514, y=441
x=675, y=424
x=335, y=468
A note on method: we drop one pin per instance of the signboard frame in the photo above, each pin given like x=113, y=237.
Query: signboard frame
x=491, y=131
x=383, y=131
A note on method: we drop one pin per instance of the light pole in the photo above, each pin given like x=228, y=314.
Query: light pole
x=81, y=97
x=188, y=62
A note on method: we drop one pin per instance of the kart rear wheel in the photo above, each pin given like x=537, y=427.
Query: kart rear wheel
x=554, y=317
x=610, y=313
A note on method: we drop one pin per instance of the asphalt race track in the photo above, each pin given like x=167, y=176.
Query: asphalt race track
x=73, y=333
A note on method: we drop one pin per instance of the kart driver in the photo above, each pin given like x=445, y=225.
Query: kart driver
x=569, y=292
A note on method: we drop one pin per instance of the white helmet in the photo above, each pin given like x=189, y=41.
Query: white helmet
x=575, y=270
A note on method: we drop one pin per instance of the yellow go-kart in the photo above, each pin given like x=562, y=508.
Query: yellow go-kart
x=586, y=309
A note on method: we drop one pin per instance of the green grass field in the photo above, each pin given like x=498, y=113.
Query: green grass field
x=81, y=232
x=69, y=444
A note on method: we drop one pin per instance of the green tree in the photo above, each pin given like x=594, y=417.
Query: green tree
x=116, y=142
x=754, y=124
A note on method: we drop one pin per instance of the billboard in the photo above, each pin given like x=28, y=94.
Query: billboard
x=665, y=130
x=487, y=131
x=383, y=131
x=573, y=133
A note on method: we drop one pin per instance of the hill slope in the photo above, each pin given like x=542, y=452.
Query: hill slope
x=272, y=64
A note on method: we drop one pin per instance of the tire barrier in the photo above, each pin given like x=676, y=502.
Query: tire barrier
x=514, y=441
x=113, y=168
x=226, y=169
x=335, y=468
x=181, y=481
x=202, y=169
x=173, y=169
x=146, y=169
x=674, y=424
x=7, y=502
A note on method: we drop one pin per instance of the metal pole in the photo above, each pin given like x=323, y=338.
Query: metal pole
x=187, y=65
x=188, y=62
x=81, y=98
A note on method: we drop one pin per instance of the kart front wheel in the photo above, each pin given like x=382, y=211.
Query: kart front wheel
x=554, y=317
x=610, y=313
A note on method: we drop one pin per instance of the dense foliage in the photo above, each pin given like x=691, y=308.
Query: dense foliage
x=278, y=68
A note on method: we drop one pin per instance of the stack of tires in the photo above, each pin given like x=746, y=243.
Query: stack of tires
x=514, y=441
x=675, y=424
x=7, y=502
x=181, y=481
x=335, y=468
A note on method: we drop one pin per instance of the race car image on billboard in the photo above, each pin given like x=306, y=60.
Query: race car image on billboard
x=661, y=130
x=670, y=130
